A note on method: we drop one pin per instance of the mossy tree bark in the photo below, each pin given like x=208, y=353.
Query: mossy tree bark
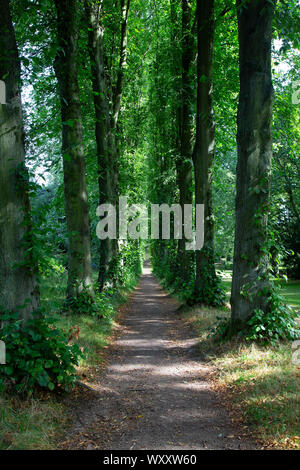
x=76, y=198
x=250, y=285
x=101, y=104
x=18, y=285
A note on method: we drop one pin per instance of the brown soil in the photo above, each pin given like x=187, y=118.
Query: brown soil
x=155, y=393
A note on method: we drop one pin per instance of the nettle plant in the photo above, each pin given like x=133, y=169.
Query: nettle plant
x=38, y=354
x=278, y=322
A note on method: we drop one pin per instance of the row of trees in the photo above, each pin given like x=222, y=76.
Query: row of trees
x=194, y=147
x=19, y=269
x=250, y=270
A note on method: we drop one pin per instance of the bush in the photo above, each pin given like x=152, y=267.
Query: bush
x=99, y=305
x=277, y=324
x=211, y=292
x=38, y=354
x=83, y=303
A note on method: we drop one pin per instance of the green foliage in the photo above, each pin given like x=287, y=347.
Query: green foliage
x=38, y=354
x=220, y=329
x=165, y=264
x=100, y=305
x=285, y=208
x=148, y=140
x=49, y=266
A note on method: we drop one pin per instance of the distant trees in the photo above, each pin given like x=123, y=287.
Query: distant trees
x=285, y=181
x=192, y=131
x=18, y=269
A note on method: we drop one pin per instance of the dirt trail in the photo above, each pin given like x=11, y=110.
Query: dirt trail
x=155, y=392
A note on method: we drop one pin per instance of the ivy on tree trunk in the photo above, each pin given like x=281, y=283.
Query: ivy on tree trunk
x=184, y=160
x=18, y=285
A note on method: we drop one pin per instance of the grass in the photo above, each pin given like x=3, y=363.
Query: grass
x=39, y=422
x=291, y=292
x=93, y=333
x=258, y=383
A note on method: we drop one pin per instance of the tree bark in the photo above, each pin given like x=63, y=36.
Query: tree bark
x=76, y=198
x=184, y=162
x=101, y=104
x=203, y=157
x=125, y=5
x=250, y=284
x=18, y=286
x=107, y=116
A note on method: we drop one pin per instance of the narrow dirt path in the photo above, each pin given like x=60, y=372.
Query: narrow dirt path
x=155, y=392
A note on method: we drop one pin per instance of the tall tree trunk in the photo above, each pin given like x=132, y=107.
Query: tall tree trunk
x=107, y=116
x=184, y=164
x=206, y=279
x=250, y=284
x=76, y=199
x=18, y=286
x=101, y=105
x=176, y=73
x=113, y=147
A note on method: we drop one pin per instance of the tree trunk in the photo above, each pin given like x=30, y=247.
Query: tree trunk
x=107, y=116
x=184, y=163
x=113, y=147
x=250, y=284
x=125, y=5
x=18, y=286
x=76, y=199
x=206, y=279
x=101, y=105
